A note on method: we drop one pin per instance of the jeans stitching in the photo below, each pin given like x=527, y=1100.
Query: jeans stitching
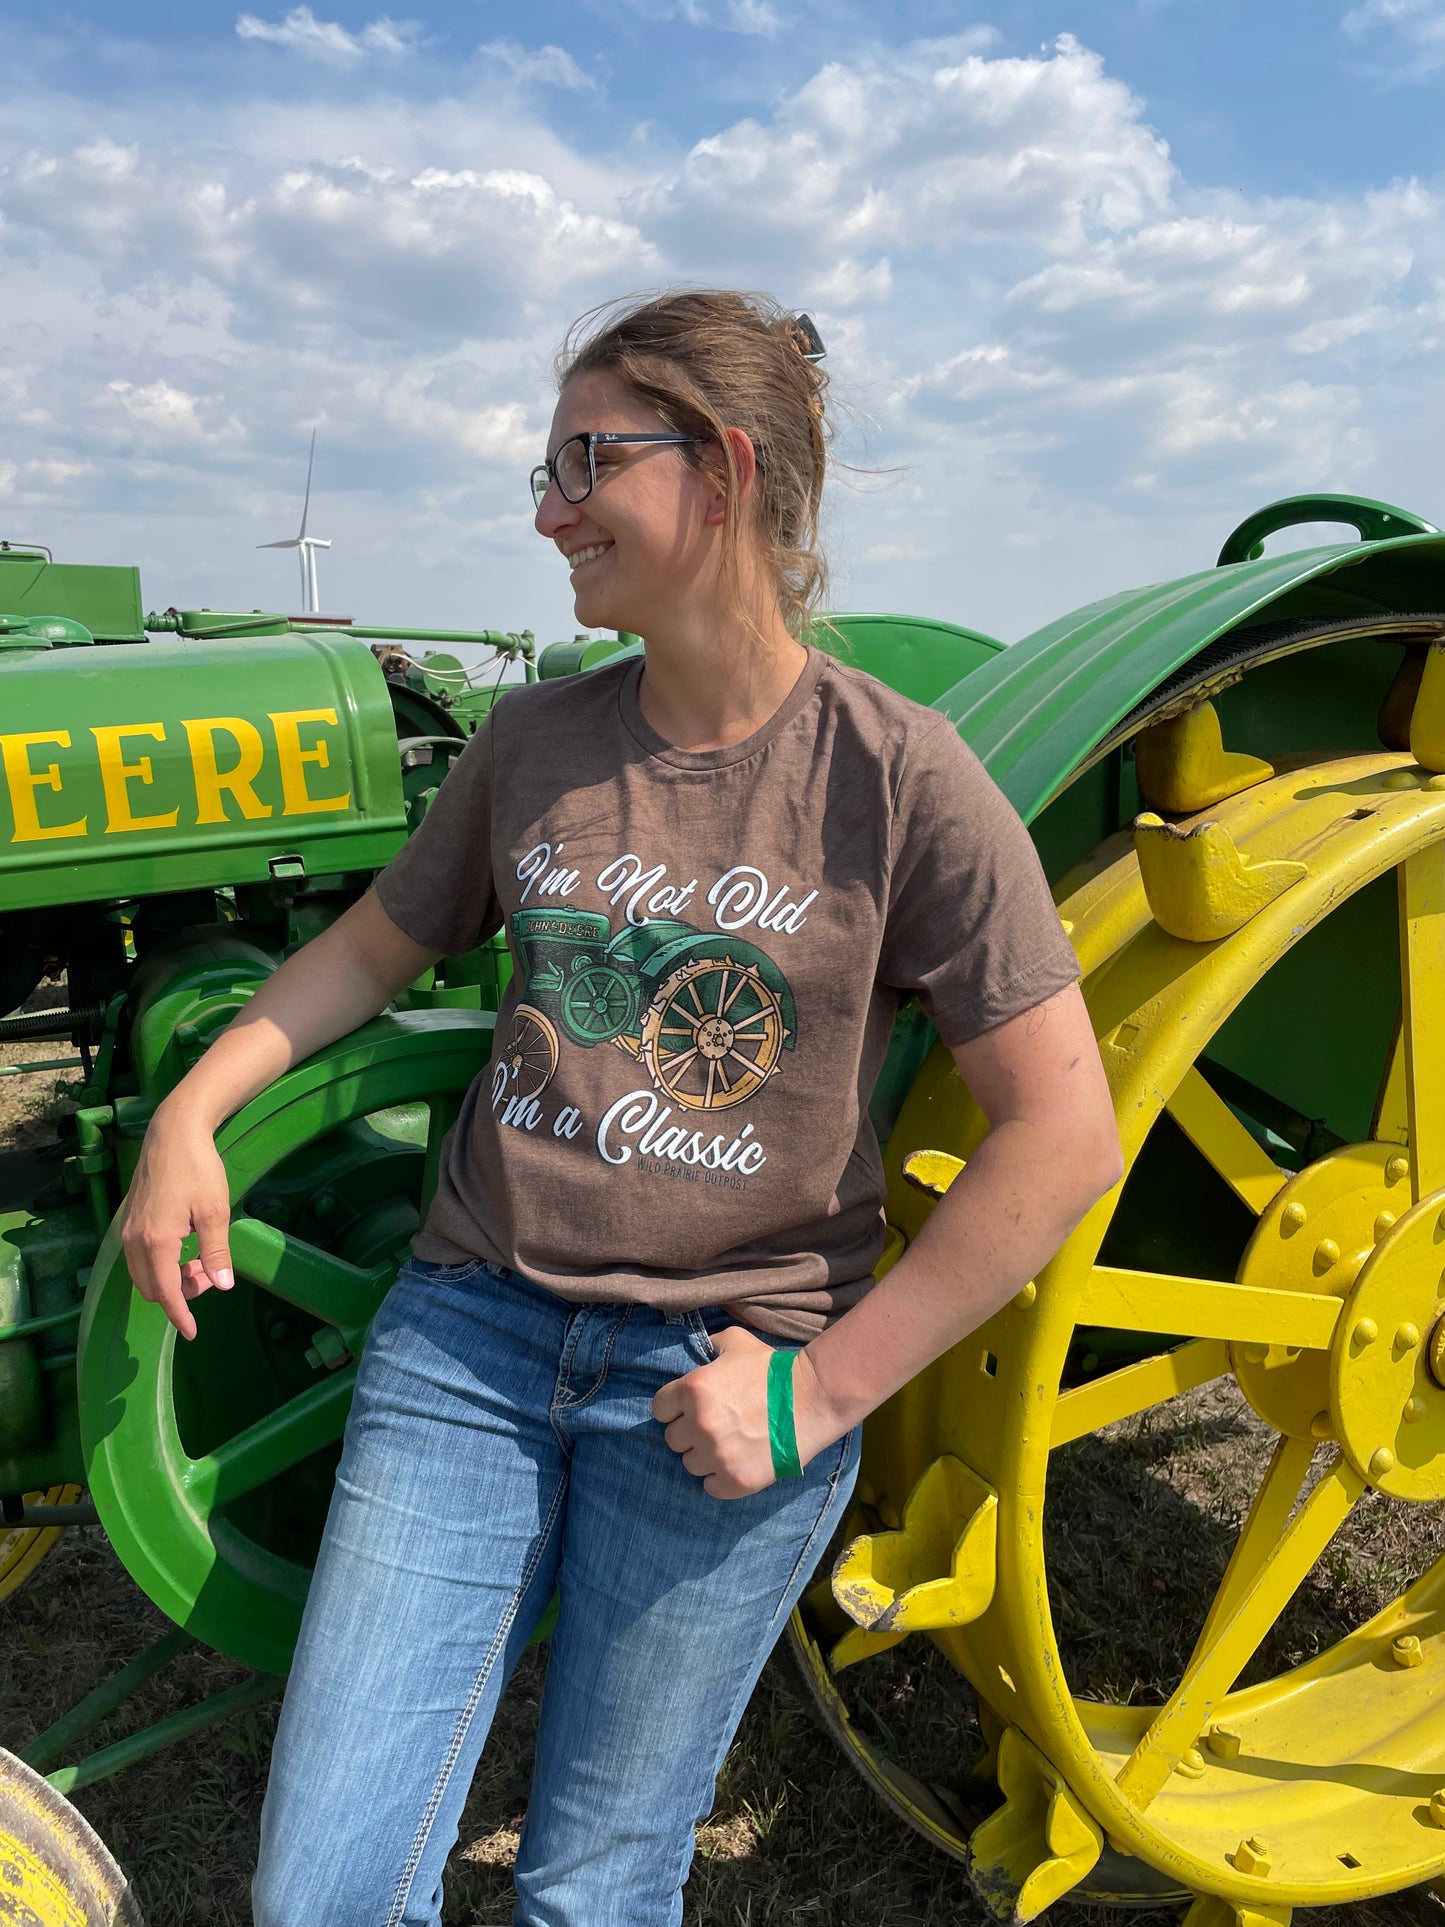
x=811, y=1539
x=468, y=1713
x=575, y=1404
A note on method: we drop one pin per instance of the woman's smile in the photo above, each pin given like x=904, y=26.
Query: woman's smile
x=579, y=559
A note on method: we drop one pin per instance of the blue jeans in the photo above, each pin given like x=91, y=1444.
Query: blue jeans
x=501, y=1445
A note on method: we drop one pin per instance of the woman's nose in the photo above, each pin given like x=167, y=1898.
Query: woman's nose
x=555, y=513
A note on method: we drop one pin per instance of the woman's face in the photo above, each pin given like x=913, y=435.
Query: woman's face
x=646, y=540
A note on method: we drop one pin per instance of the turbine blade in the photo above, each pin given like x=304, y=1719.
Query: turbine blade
x=310, y=464
x=291, y=543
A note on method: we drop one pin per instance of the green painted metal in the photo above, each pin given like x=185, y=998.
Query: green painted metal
x=187, y=1517
x=916, y=656
x=168, y=768
x=1376, y=522
x=1035, y=711
x=105, y=600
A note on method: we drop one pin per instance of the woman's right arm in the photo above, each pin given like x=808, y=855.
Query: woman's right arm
x=352, y=970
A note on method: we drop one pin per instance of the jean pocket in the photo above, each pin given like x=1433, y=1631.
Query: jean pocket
x=434, y=1274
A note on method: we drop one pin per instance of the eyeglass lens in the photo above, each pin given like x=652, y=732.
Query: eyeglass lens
x=572, y=472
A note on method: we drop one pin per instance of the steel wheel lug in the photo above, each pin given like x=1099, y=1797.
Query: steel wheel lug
x=1365, y=1333
x=1327, y=1253
x=1383, y=1223
x=1292, y=1217
x=1381, y=1463
x=1414, y=1411
x=1407, y=1337
x=1397, y=1170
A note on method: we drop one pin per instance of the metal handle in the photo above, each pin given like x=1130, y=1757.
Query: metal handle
x=1376, y=522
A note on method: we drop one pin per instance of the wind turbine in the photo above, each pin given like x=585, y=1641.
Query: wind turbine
x=305, y=545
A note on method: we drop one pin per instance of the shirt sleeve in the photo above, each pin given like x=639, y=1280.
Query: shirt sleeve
x=439, y=887
x=971, y=927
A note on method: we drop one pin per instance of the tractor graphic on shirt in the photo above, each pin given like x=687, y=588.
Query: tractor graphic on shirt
x=705, y=1013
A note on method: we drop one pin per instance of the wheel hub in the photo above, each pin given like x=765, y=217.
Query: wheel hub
x=1316, y=1235
x=714, y=1037
x=1387, y=1402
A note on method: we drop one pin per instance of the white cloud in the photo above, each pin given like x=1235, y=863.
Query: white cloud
x=326, y=40
x=552, y=66
x=753, y=16
x=1072, y=366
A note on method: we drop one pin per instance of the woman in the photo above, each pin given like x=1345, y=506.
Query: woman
x=629, y=1357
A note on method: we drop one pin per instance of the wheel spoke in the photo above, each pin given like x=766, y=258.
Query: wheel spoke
x=697, y=1001
x=737, y=991
x=1422, y=985
x=1209, y=1124
x=1152, y=1301
x=711, y=1086
x=1258, y=1597
x=1135, y=1388
x=1268, y=1516
x=311, y=1279
x=680, y=1062
x=1392, y=1120
x=285, y=1437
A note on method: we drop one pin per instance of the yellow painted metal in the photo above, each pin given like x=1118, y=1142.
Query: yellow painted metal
x=23, y=1547
x=932, y=1571
x=1041, y=1842
x=1200, y=885
x=1388, y=1409
x=931, y=1171
x=1312, y=1238
x=1183, y=766
x=1422, y=950
x=54, y=1871
x=1134, y=1388
x=1239, y=1158
x=1427, y=718
x=1332, y=1765
x=1210, y=1911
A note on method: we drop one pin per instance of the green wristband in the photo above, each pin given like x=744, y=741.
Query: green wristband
x=782, y=1434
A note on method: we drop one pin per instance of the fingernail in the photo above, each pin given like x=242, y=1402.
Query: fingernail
x=225, y=1280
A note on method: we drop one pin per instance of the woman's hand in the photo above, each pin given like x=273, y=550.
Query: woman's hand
x=179, y=1187
x=717, y=1416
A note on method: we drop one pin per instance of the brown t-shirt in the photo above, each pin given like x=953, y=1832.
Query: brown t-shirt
x=709, y=949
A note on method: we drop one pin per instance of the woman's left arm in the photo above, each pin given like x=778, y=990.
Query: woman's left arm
x=1051, y=1152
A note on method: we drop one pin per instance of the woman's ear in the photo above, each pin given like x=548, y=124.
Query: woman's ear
x=745, y=467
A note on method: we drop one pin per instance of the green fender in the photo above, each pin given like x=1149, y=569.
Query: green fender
x=1036, y=712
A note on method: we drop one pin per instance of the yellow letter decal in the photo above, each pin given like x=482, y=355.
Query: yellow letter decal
x=211, y=781
x=24, y=782
x=116, y=773
x=294, y=799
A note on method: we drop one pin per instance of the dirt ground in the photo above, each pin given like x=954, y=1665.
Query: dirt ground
x=1139, y=1526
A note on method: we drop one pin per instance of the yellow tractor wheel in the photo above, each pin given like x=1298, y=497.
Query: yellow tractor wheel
x=23, y=1547
x=1325, y=1783
x=54, y=1871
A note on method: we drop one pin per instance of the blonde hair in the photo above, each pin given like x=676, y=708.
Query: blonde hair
x=710, y=359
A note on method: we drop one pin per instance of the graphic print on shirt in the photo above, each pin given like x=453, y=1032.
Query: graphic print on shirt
x=706, y=1013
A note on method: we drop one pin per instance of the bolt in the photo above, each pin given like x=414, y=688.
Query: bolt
x=1437, y=1806
x=1365, y=1332
x=1255, y=1354
x=1414, y=1411
x=1223, y=1742
x=1291, y=1218
x=1382, y=1463
x=1400, y=779
x=1253, y=1856
x=1023, y=1299
x=1321, y=1426
x=1327, y=1253
x=1407, y=1651
x=1397, y=1170
x=323, y=1205
x=1192, y=1764
x=1436, y=783
x=1383, y=1223
x=1407, y=1337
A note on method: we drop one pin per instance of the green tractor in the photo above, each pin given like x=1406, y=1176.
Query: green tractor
x=1237, y=785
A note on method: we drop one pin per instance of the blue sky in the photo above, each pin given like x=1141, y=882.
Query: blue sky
x=1096, y=279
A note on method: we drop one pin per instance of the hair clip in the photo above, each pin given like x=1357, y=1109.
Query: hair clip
x=813, y=350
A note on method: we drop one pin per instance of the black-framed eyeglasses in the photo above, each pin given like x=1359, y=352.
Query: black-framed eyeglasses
x=574, y=467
